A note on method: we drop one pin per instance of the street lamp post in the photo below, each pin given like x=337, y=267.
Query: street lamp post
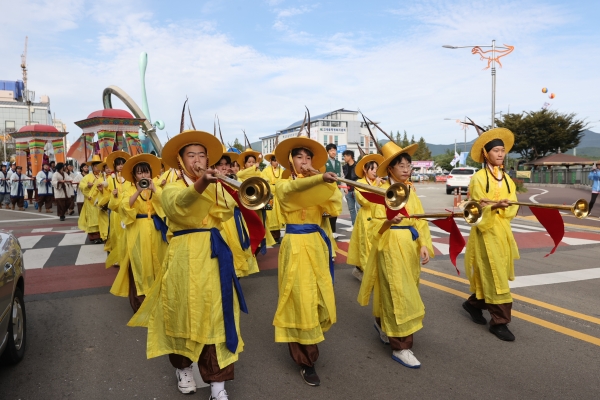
x=497, y=53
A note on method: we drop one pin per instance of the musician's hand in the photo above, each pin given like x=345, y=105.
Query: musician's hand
x=397, y=219
x=378, y=181
x=115, y=193
x=424, y=255
x=329, y=177
x=198, y=170
x=90, y=184
x=502, y=204
x=152, y=187
x=163, y=183
x=209, y=176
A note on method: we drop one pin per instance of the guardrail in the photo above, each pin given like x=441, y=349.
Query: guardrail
x=577, y=176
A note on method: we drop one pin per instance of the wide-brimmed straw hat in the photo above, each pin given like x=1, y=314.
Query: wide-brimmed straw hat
x=110, y=160
x=270, y=156
x=507, y=137
x=151, y=159
x=214, y=148
x=241, y=158
x=360, y=165
x=285, y=147
x=95, y=160
x=390, y=151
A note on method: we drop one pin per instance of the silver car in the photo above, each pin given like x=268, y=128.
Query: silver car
x=12, y=306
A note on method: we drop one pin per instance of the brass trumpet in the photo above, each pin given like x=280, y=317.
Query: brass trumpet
x=580, y=209
x=472, y=213
x=254, y=193
x=144, y=183
x=396, y=196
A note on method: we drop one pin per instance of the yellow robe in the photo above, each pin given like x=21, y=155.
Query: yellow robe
x=274, y=217
x=116, y=235
x=491, y=250
x=392, y=273
x=102, y=199
x=306, y=306
x=243, y=260
x=145, y=249
x=183, y=310
x=362, y=233
x=88, y=219
x=244, y=174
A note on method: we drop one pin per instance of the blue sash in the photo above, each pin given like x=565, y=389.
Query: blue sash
x=159, y=224
x=302, y=229
x=241, y=230
x=263, y=243
x=413, y=231
x=49, y=190
x=222, y=252
x=20, y=192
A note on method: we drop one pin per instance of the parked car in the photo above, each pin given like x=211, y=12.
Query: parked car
x=12, y=306
x=441, y=177
x=459, y=178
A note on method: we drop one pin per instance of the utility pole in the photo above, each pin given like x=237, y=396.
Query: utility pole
x=25, y=91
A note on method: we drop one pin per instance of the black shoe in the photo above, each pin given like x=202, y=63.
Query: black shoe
x=62, y=218
x=501, y=331
x=310, y=376
x=98, y=241
x=475, y=313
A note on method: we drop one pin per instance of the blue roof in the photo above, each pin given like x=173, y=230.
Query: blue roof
x=316, y=117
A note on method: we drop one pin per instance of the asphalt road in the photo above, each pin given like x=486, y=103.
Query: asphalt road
x=79, y=346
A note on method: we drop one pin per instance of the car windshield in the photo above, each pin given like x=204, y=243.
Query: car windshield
x=462, y=171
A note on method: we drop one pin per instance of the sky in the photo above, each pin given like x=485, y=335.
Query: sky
x=258, y=63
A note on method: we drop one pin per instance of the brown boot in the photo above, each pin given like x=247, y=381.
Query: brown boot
x=21, y=209
x=40, y=209
x=49, y=211
x=13, y=206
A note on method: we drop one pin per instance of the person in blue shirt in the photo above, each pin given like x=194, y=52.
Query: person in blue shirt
x=594, y=176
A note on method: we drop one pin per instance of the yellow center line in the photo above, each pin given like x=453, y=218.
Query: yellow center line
x=546, y=324
x=525, y=299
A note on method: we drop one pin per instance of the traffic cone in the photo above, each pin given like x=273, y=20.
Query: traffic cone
x=456, y=198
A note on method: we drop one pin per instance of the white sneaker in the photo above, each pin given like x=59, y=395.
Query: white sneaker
x=357, y=273
x=222, y=396
x=406, y=358
x=382, y=335
x=185, y=380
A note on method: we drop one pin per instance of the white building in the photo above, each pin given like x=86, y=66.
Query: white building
x=342, y=127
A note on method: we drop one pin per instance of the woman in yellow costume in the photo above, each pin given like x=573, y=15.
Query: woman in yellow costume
x=491, y=250
x=235, y=230
x=116, y=187
x=145, y=230
x=272, y=173
x=192, y=312
x=393, y=267
x=360, y=240
x=88, y=218
x=102, y=202
x=306, y=307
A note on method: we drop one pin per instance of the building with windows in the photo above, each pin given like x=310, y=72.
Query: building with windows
x=16, y=112
x=343, y=127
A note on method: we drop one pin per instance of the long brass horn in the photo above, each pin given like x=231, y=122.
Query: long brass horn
x=472, y=213
x=254, y=193
x=580, y=209
x=396, y=196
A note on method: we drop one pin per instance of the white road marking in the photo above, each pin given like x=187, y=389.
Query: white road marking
x=532, y=198
x=91, y=254
x=344, y=222
x=36, y=258
x=349, y=229
x=534, y=228
x=41, y=230
x=444, y=248
x=71, y=239
x=555, y=277
x=27, y=220
x=27, y=242
x=73, y=230
x=577, y=242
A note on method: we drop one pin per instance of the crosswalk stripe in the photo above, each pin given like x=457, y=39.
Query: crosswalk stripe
x=36, y=258
x=555, y=277
x=27, y=242
x=71, y=239
x=91, y=254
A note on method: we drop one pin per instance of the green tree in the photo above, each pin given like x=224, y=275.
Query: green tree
x=423, y=153
x=237, y=145
x=443, y=160
x=539, y=133
x=405, y=141
x=412, y=139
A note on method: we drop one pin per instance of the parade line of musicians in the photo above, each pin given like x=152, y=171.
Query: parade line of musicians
x=181, y=240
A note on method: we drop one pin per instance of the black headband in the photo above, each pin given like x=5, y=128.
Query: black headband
x=493, y=143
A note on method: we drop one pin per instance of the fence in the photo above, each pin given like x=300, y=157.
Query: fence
x=565, y=176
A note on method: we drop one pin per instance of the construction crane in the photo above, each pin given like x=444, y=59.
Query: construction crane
x=25, y=92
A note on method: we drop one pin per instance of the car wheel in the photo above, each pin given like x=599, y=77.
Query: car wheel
x=449, y=191
x=15, y=348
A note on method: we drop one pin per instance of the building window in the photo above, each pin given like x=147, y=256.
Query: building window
x=325, y=140
x=362, y=141
x=9, y=126
x=336, y=140
x=371, y=143
x=344, y=124
x=326, y=123
x=335, y=123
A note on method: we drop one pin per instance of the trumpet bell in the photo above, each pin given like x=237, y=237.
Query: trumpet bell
x=144, y=183
x=473, y=212
x=581, y=208
x=396, y=196
x=254, y=193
